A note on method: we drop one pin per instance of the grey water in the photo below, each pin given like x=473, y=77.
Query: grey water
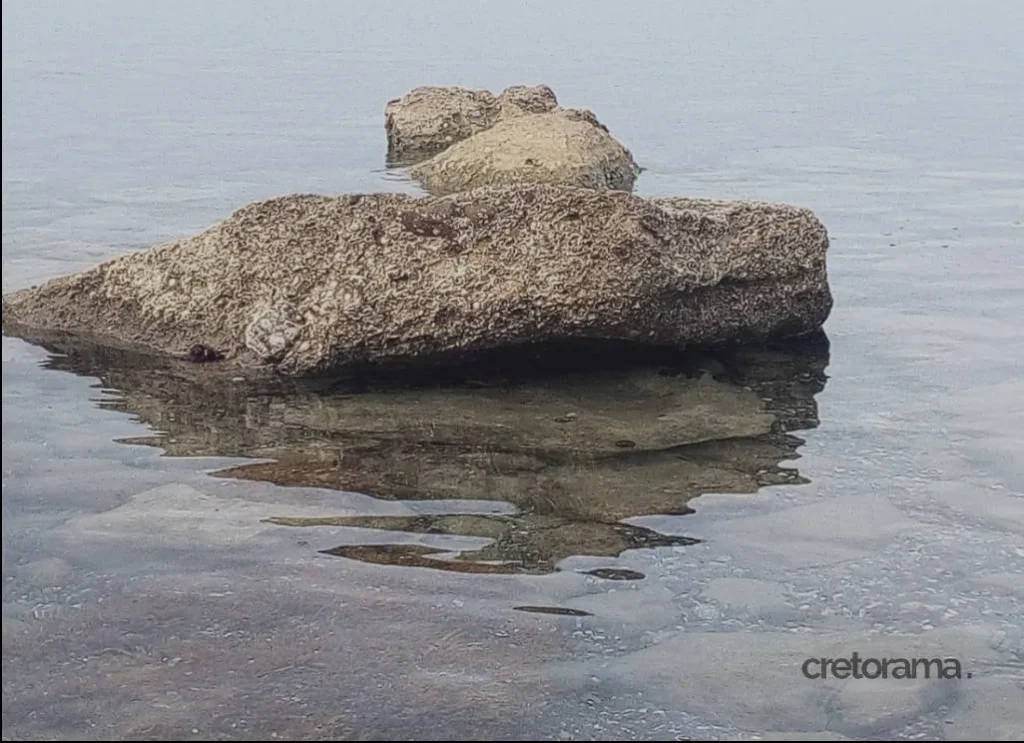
x=182, y=561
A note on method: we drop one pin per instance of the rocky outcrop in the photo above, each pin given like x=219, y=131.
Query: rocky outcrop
x=429, y=119
x=308, y=284
x=564, y=146
x=465, y=139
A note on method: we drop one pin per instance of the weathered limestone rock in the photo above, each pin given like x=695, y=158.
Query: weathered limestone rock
x=564, y=146
x=308, y=284
x=431, y=118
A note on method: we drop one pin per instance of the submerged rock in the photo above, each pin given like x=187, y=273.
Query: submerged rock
x=430, y=118
x=310, y=284
x=564, y=146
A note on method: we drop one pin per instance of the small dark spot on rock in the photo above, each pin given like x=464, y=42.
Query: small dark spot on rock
x=200, y=354
x=530, y=161
x=443, y=316
x=625, y=444
x=426, y=225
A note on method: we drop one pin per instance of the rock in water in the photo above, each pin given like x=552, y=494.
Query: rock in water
x=431, y=118
x=308, y=284
x=564, y=146
x=465, y=139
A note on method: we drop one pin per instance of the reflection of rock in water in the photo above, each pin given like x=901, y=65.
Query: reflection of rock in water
x=559, y=610
x=616, y=574
x=526, y=543
x=548, y=439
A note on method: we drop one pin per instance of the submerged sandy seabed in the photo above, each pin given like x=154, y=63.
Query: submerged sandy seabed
x=143, y=598
x=540, y=585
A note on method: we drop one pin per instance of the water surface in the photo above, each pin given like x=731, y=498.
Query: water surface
x=494, y=559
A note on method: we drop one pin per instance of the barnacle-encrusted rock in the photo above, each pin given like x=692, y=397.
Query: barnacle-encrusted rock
x=306, y=284
x=564, y=146
x=429, y=119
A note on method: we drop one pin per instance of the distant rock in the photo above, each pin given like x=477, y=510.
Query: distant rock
x=429, y=119
x=464, y=139
x=308, y=284
x=563, y=146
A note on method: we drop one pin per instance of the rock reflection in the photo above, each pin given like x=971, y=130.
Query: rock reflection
x=543, y=435
x=525, y=543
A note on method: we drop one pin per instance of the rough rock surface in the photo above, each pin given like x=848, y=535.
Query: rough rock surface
x=431, y=118
x=305, y=284
x=564, y=146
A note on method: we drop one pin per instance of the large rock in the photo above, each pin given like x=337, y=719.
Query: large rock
x=431, y=118
x=307, y=284
x=564, y=146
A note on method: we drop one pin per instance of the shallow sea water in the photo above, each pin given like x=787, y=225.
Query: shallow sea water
x=396, y=563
